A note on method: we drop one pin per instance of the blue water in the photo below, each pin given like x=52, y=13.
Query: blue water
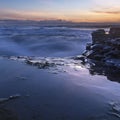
x=43, y=41
x=67, y=91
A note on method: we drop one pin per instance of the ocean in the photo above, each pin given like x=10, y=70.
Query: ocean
x=43, y=41
x=40, y=80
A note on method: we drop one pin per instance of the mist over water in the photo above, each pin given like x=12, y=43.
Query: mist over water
x=43, y=41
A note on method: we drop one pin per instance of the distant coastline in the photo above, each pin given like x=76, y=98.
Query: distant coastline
x=60, y=23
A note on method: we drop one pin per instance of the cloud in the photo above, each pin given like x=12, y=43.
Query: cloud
x=25, y=15
x=106, y=7
x=107, y=11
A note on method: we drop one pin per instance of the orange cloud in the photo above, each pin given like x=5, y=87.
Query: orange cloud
x=29, y=15
x=106, y=12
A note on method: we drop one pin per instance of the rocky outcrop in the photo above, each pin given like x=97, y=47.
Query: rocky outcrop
x=105, y=47
x=99, y=36
x=115, y=32
x=102, y=56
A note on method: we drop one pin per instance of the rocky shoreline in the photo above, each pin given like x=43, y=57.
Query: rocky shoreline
x=105, y=47
x=102, y=56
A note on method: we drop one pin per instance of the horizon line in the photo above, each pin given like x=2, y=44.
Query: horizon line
x=58, y=20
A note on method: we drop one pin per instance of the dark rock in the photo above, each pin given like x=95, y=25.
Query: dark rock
x=114, y=32
x=108, y=69
x=95, y=56
x=81, y=57
x=40, y=64
x=88, y=53
x=105, y=47
x=114, y=54
x=99, y=36
x=97, y=47
x=88, y=46
x=116, y=43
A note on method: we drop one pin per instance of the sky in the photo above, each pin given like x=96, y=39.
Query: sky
x=70, y=10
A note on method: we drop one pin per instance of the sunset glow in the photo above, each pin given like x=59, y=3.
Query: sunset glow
x=71, y=10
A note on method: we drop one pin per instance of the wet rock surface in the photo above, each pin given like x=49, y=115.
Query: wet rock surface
x=53, y=65
x=105, y=47
x=115, y=32
x=98, y=68
x=103, y=54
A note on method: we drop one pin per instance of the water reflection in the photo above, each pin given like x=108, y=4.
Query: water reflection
x=97, y=68
x=71, y=65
